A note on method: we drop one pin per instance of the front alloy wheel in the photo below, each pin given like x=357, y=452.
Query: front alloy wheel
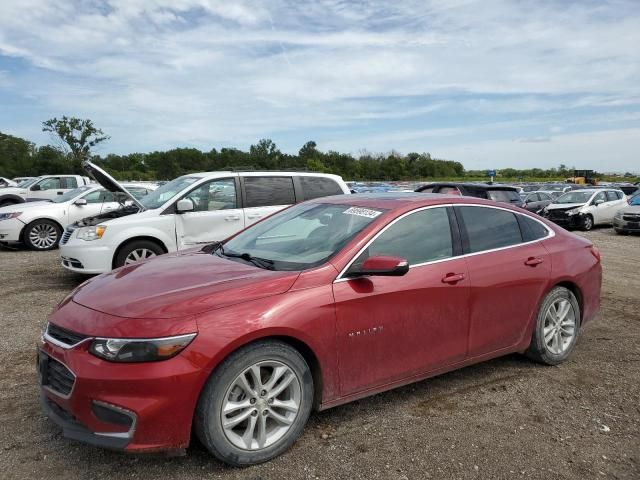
x=255, y=404
x=42, y=235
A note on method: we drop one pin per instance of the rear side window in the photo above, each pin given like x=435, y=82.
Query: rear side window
x=267, y=191
x=69, y=182
x=424, y=236
x=489, y=228
x=449, y=191
x=425, y=190
x=531, y=229
x=315, y=187
x=504, y=195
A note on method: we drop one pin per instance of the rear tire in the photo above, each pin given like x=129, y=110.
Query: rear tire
x=42, y=235
x=271, y=412
x=136, y=251
x=587, y=223
x=557, y=327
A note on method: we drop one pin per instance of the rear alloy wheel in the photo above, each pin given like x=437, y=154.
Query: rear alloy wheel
x=255, y=404
x=587, y=223
x=137, y=251
x=557, y=327
x=42, y=235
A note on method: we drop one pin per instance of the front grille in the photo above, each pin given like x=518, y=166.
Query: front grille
x=56, y=376
x=558, y=214
x=631, y=217
x=63, y=335
x=66, y=236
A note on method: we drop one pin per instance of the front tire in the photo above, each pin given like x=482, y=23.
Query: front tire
x=136, y=251
x=42, y=235
x=587, y=223
x=557, y=326
x=255, y=404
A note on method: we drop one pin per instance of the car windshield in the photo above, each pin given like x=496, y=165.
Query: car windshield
x=28, y=183
x=530, y=188
x=303, y=236
x=71, y=194
x=635, y=200
x=504, y=196
x=574, y=197
x=555, y=188
x=166, y=192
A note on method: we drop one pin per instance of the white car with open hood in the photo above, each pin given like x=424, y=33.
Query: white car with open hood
x=39, y=225
x=191, y=210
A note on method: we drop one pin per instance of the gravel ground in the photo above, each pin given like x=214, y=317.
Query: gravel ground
x=507, y=418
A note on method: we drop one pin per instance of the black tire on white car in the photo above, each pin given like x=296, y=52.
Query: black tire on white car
x=42, y=235
x=587, y=223
x=137, y=250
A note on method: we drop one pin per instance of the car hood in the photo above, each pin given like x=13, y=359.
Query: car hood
x=107, y=181
x=21, y=207
x=180, y=285
x=555, y=206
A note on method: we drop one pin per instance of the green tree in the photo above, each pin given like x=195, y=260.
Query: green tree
x=75, y=137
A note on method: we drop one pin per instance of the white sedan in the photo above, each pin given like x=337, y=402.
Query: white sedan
x=39, y=225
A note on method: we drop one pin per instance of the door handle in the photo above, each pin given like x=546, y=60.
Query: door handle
x=533, y=261
x=453, y=277
x=254, y=216
x=231, y=218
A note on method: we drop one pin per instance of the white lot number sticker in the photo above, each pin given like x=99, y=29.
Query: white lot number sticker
x=362, y=212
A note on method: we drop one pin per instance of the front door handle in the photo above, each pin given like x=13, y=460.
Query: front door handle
x=453, y=277
x=533, y=261
x=231, y=218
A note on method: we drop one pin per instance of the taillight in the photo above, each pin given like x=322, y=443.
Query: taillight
x=595, y=252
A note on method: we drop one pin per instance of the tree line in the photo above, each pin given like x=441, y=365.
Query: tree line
x=75, y=138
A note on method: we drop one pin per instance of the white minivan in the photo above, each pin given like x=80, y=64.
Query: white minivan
x=192, y=210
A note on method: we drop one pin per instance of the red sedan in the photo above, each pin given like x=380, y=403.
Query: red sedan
x=323, y=303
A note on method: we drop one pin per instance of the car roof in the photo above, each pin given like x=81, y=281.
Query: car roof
x=261, y=173
x=405, y=200
x=478, y=186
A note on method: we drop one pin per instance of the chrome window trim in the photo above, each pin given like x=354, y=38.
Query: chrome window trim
x=552, y=233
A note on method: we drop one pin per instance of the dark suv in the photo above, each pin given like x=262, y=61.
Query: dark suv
x=498, y=193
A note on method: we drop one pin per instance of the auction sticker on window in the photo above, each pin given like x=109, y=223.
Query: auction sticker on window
x=362, y=212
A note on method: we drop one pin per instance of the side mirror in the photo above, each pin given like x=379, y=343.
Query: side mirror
x=598, y=202
x=383, y=265
x=36, y=188
x=81, y=202
x=184, y=205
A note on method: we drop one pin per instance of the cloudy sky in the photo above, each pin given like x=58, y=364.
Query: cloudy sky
x=489, y=83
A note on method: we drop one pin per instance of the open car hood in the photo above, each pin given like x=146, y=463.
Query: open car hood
x=108, y=182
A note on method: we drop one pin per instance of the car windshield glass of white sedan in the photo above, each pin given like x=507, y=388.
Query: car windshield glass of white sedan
x=574, y=197
x=166, y=192
x=70, y=194
x=300, y=237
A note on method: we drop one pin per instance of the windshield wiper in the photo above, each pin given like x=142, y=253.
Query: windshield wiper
x=257, y=261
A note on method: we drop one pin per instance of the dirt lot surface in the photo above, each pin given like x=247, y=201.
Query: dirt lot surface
x=508, y=418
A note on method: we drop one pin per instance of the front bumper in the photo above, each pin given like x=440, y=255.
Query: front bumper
x=83, y=257
x=622, y=225
x=11, y=230
x=132, y=407
x=566, y=221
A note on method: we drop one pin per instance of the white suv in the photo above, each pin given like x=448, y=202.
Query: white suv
x=585, y=208
x=194, y=209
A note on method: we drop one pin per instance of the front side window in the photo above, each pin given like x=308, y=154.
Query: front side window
x=489, y=228
x=269, y=191
x=96, y=197
x=303, y=236
x=70, y=194
x=215, y=195
x=49, y=183
x=420, y=237
x=316, y=187
x=600, y=197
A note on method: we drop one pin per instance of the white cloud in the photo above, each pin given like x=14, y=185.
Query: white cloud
x=164, y=72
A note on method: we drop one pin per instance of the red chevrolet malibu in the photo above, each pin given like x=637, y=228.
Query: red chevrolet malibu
x=325, y=302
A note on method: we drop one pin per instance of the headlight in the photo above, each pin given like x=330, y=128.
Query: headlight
x=575, y=211
x=139, y=350
x=8, y=216
x=91, y=233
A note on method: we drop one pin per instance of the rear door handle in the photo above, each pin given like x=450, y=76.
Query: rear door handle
x=231, y=218
x=453, y=277
x=533, y=261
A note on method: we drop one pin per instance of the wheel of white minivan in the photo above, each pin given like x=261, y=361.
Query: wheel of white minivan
x=255, y=404
x=587, y=223
x=557, y=327
x=42, y=235
x=136, y=251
